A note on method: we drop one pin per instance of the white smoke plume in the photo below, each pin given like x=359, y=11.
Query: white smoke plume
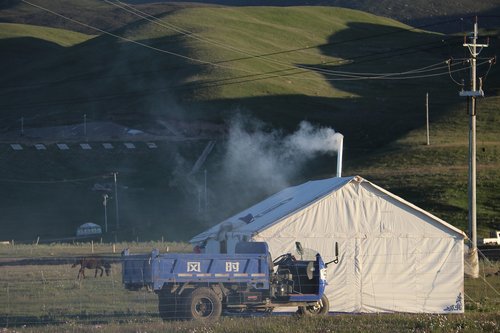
x=268, y=160
x=310, y=141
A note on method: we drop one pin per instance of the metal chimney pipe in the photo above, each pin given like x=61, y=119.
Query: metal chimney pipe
x=339, y=155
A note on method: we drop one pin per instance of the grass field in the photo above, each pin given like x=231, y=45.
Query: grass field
x=38, y=297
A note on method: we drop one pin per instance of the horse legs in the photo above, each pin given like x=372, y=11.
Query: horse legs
x=81, y=273
x=98, y=268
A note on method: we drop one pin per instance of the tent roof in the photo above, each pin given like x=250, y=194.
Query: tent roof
x=290, y=200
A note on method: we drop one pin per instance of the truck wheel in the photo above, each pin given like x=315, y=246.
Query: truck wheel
x=167, y=305
x=320, y=309
x=203, y=304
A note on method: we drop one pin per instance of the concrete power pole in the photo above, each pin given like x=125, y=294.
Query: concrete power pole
x=116, y=202
x=427, y=117
x=471, y=95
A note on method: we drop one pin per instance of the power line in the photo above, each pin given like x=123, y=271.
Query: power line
x=344, y=76
x=138, y=43
x=201, y=85
x=349, y=75
x=177, y=68
x=188, y=33
x=306, y=69
x=121, y=37
x=214, y=83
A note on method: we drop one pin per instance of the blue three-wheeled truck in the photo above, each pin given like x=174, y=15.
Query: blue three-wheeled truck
x=203, y=286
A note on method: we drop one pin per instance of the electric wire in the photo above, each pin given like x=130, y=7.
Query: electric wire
x=121, y=37
x=143, y=44
x=266, y=75
x=349, y=76
x=191, y=34
x=136, y=42
x=187, y=33
x=491, y=62
x=256, y=75
x=84, y=100
x=162, y=23
x=198, y=85
x=449, y=62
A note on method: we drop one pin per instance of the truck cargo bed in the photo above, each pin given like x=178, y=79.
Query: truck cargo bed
x=156, y=269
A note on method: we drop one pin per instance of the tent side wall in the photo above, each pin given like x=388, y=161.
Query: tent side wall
x=373, y=277
x=392, y=258
x=441, y=272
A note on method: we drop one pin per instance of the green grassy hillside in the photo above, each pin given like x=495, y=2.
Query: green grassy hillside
x=57, y=36
x=278, y=65
x=21, y=42
x=223, y=70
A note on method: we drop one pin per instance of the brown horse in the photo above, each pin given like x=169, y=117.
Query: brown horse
x=96, y=263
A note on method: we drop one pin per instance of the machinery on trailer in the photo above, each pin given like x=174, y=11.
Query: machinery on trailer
x=493, y=240
x=203, y=286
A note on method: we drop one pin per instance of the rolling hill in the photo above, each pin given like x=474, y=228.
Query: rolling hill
x=203, y=67
x=436, y=15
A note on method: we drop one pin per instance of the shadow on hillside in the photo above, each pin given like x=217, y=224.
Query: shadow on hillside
x=17, y=52
x=393, y=104
x=104, y=78
x=378, y=111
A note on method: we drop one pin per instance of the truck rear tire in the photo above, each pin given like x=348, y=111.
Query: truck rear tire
x=319, y=310
x=168, y=304
x=203, y=304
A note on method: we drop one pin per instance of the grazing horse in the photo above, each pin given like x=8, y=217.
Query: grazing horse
x=92, y=263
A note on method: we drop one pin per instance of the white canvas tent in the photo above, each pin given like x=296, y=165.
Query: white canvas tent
x=394, y=256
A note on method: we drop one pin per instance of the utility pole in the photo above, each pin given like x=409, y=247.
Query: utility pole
x=471, y=95
x=206, y=196
x=116, y=202
x=427, y=116
x=105, y=203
